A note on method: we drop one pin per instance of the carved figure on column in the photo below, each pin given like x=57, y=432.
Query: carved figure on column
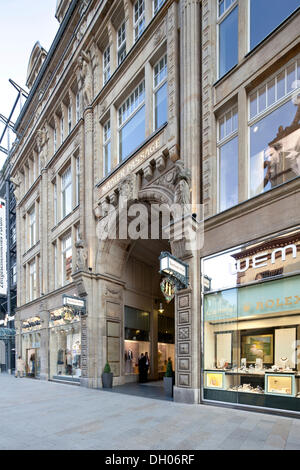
x=85, y=75
x=81, y=254
x=16, y=180
x=127, y=188
x=182, y=182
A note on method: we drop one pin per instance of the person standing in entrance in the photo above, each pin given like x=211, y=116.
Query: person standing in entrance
x=147, y=365
x=20, y=367
x=142, y=368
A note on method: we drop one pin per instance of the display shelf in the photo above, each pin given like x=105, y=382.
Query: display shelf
x=280, y=384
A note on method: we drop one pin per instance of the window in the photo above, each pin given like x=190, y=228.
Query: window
x=160, y=93
x=274, y=110
x=55, y=264
x=66, y=252
x=121, y=43
x=156, y=5
x=266, y=15
x=77, y=188
x=106, y=65
x=77, y=107
x=69, y=118
x=228, y=159
x=228, y=36
x=61, y=129
x=106, y=148
x=32, y=227
x=13, y=234
x=54, y=139
x=55, y=202
x=32, y=280
x=132, y=122
x=14, y=274
x=138, y=18
x=66, y=192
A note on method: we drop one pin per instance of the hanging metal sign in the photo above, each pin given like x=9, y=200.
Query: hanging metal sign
x=175, y=269
x=75, y=303
x=168, y=288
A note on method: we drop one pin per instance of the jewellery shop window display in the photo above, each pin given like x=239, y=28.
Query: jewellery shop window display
x=65, y=344
x=31, y=343
x=137, y=338
x=251, y=324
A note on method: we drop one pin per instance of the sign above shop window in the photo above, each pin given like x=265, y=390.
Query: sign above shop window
x=176, y=270
x=253, y=262
x=74, y=302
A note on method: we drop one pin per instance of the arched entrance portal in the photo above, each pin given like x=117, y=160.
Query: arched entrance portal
x=149, y=324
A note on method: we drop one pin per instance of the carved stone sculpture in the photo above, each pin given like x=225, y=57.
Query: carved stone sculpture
x=181, y=182
x=81, y=254
x=85, y=75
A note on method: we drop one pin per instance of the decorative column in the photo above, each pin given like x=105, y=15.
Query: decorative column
x=44, y=346
x=190, y=61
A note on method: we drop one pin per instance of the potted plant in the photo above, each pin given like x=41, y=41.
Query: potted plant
x=169, y=379
x=107, y=377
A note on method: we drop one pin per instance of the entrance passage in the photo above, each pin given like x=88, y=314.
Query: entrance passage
x=153, y=390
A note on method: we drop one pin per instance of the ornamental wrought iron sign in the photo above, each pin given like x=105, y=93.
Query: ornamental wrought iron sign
x=176, y=270
x=168, y=288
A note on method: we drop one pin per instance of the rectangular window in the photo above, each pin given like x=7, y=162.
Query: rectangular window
x=275, y=131
x=228, y=36
x=266, y=15
x=55, y=264
x=69, y=118
x=77, y=107
x=77, y=169
x=121, y=43
x=55, y=203
x=138, y=18
x=160, y=93
x=132, y=122
x=66, y=192
x=54, y=139
x=106, y=149
x=66, y=252
x=106, y=65
x=62, y=130
x=32, y=227
x=32, y=281
x=156, y=5
x=228, y=159
x=14, y=273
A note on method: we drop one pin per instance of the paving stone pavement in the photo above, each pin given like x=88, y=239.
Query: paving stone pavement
x=38, y=415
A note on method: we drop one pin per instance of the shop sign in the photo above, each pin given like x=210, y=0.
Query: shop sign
x=131, y=166
x=174, y=268
x=3, y=274
x=280, y=296
x=168, y=288
x=31, y=324
x=74, y=302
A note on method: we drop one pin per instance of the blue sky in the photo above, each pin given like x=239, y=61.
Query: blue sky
x=22, y=23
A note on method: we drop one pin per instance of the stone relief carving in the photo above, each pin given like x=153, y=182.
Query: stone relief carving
x=127, y=188
x=85, y=75
x=182, y=181
x=81, y=254
x=16, y=180
x=112, y=292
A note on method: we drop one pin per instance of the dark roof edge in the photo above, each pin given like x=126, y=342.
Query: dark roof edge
x=49, y=56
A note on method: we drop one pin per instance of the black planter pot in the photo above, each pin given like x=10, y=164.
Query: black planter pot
x=168, y=386
x=107, y=379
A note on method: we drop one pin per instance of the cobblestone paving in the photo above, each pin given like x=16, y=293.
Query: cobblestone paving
x=47, y=415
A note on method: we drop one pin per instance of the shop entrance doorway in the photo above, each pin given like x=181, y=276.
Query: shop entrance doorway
x=149, y=321
x=32, y=362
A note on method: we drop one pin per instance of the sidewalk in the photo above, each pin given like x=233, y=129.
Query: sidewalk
x=46, y=415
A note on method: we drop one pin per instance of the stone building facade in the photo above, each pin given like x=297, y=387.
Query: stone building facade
x=102, y=125
x=159, y=102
